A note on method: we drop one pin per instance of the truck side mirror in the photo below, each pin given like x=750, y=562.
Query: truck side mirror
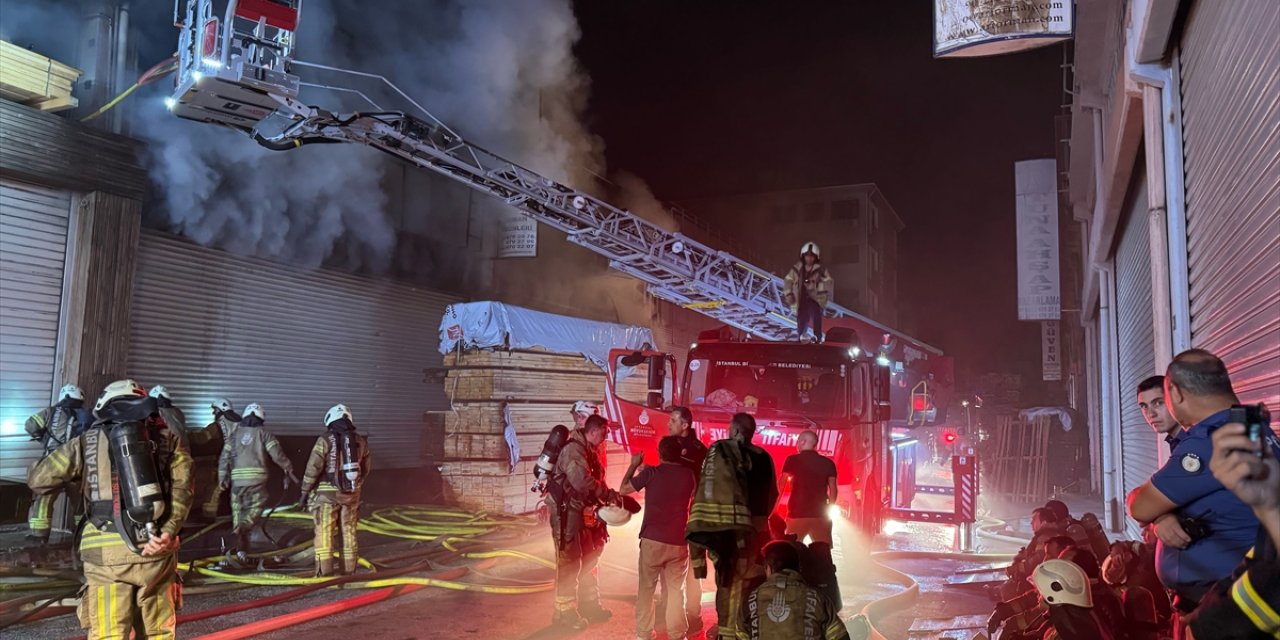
x=633, y=360
x=880, y=394
x=657, y=382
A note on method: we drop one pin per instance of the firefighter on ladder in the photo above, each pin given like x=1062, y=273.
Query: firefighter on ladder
x=126, y=572
x=808, y=290
x=336, y=471
x=54, y=427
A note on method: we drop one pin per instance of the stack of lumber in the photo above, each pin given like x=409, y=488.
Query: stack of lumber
x=1018, y=467
x=29, y=78
x=540, y=388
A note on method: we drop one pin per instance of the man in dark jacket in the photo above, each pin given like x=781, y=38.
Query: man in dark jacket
x=692, y=453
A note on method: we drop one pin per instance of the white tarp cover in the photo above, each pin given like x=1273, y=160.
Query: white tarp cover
x=481, y=325
x=1063, y=416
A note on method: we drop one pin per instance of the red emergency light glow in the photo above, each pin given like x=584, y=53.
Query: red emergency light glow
x=949, y=437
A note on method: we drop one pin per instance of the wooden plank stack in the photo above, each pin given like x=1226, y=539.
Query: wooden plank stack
x=540, y=388
x=1019, y=459
x=29, y=78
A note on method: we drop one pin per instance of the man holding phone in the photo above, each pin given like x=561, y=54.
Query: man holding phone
x=1219, y=528
x=1247, y=604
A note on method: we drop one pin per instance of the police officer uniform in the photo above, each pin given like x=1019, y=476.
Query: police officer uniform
x=1232, y=527
x=331, y=485
x=119, y=581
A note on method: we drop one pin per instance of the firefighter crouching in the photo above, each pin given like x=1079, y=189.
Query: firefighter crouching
x=335, y=474
x=54, y=427
x=576, y=488
x=244, y=472
x=137, y=485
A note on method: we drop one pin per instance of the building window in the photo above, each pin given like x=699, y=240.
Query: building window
x=778, y=215
x=873, y=260
x=814, y=211
x=846, y=210
x=875, y=219
x=875, y=303
x=844, y=254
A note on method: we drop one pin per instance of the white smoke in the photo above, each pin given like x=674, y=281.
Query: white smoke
x=501, y=73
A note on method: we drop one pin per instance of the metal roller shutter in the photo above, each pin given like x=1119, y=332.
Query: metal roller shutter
x=1136, y=342
x=208, y=324
x=33, y=251
x=1231, y=151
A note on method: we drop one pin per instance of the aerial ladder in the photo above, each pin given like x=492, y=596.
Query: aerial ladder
x=236, y=69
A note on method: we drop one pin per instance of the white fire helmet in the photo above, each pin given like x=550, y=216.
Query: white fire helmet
x=255, y=409
x=613, y=516
x=159, y=391
x=584, y=408
x=1062, y=582
x=119, y=389
x=70, y=391
x=223, y=405
x=338, y=411
x=810, y=247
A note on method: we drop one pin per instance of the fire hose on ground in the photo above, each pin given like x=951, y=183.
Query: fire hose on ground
x=862, y=625
x=453, y=533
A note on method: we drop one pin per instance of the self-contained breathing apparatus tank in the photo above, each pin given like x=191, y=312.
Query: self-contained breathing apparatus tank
x=547, y=461
x=141, y=490
x=348, y=479
x=140, y=496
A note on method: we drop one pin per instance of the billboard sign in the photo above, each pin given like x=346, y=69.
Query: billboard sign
x=1036, y=187
x=518, y=237
x=971, y=28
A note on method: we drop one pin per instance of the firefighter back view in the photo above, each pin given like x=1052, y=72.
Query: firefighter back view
x=54, y=427
x=173, y=417
x=137, y=477
x=336, y=471
x=243, y=471
x=207, y=445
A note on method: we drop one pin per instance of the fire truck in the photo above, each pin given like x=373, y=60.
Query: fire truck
x=861, y=390
x=861, y=400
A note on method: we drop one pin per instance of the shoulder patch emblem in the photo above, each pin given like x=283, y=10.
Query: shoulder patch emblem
x=1191, y=463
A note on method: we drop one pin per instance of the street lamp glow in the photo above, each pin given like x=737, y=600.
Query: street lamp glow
x=170, y=103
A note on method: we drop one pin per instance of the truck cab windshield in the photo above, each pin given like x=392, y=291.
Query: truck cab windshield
x=765, y=388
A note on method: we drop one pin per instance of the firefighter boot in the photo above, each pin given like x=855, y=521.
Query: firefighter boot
x=569, y=619
x=596, y=614
x=349, y=565
x=324, y=568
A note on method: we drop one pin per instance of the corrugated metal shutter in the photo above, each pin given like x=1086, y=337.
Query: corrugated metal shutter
x=33, y=250
x=1231, y=151
x=209, y=324
x=1136, y=342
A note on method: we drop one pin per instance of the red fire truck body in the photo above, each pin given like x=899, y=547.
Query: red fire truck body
x=851, y=396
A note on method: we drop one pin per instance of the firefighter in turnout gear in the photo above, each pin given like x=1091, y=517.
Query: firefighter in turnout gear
x=207, y=445
x=577, y=487
x=729, y=520
x=173, y=417
x=336, y=471
x=137, y=485
x=54, y=427
x=244, y=472
x=785, y=607
x=808, y=290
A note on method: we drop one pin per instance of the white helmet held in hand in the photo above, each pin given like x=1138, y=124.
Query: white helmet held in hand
x=119, y=389
x=810, y=247
x=255, y=409
x=1062, y=582
x=584, y=408
x=337, y=412
x=70, y=391
x=159, y=391
x=613, y=516
x=222, y=405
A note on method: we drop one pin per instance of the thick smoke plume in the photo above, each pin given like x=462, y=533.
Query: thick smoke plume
x=500, y=73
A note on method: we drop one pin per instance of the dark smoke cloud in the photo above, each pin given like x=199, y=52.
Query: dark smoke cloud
x=500, y=73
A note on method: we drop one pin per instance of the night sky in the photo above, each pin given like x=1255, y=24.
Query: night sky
x=715, y=98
